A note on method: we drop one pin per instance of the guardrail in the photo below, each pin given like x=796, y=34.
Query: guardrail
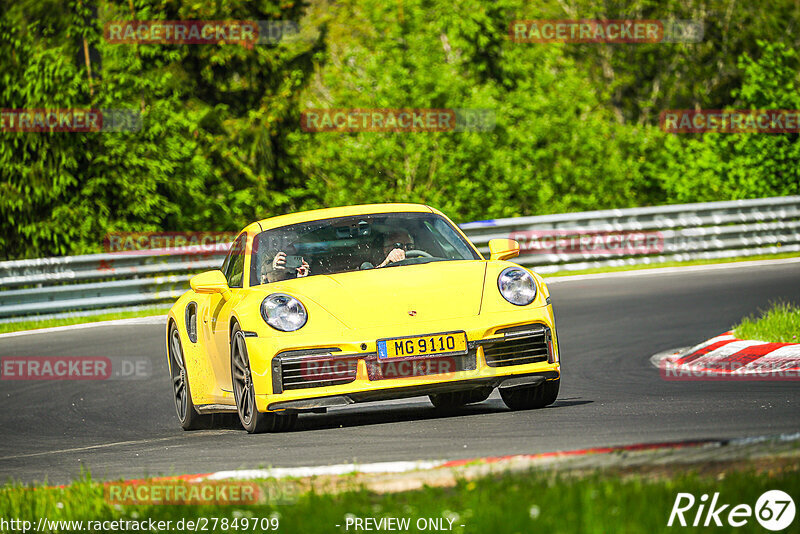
x=54, y=287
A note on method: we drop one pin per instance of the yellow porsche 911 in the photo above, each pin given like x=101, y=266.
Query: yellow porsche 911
x=355, y=304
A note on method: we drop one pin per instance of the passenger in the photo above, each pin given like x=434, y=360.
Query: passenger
x=276, y=271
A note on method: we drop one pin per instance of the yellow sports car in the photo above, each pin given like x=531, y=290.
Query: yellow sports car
x=355, y=304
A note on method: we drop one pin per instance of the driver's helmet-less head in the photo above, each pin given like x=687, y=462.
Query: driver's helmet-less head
x=397, y=239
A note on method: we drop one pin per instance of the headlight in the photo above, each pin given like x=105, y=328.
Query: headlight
x=517, y=286
x=283, y=312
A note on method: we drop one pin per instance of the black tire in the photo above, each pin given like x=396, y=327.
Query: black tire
x=188, y=416
x=530, y=397
x=244, y=393
x=456, y=399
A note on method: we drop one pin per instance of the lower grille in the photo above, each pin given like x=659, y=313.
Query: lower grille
x=522, y=345
x=312, y=369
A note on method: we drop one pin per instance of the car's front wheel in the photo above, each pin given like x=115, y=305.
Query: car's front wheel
x=181, y=394
x=529, y=397
x=456, y=399
x=245, y=395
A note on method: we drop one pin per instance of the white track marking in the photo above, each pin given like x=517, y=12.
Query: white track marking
x=658, y=271
x=134, y=321
x=107, y=445
x=333, y=470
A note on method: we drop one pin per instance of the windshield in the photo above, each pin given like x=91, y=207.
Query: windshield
x=355, y=243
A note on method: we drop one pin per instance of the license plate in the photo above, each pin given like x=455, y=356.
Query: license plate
x=427, y=345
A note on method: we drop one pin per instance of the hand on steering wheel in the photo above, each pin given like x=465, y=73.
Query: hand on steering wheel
x=414, y=253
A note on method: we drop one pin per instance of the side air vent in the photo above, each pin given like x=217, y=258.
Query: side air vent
x=191, y=321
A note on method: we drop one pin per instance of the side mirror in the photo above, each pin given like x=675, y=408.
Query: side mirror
x=211, y=282
x=503, y=249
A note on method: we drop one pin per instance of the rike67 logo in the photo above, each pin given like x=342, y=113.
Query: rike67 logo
x=774, y=510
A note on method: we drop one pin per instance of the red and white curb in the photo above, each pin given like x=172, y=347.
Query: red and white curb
x=725, y=357
x=283, y=485
x=426, y=465
x=595, y=455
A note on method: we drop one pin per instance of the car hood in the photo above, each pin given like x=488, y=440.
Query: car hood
x=397, y=295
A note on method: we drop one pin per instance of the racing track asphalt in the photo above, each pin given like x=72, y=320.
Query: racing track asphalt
x=610, y=393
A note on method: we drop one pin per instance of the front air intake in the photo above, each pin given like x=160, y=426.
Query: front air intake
x=520, y=345
x=314, y=368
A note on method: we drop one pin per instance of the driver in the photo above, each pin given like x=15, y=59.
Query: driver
x=395, y=246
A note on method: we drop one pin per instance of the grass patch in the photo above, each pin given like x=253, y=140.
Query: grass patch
x=34, y=324
x=536, y=501
x=669, y=264
x=780, y=323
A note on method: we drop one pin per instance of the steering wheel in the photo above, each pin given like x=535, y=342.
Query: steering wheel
x=417, y=254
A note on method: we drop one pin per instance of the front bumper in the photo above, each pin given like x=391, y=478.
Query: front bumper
x=422, y=376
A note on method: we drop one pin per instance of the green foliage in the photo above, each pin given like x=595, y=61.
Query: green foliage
x=631, y=500
x=736, y=166
x=546, y=154
x=778, y=324
x=205, y=157
x=220, y=144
